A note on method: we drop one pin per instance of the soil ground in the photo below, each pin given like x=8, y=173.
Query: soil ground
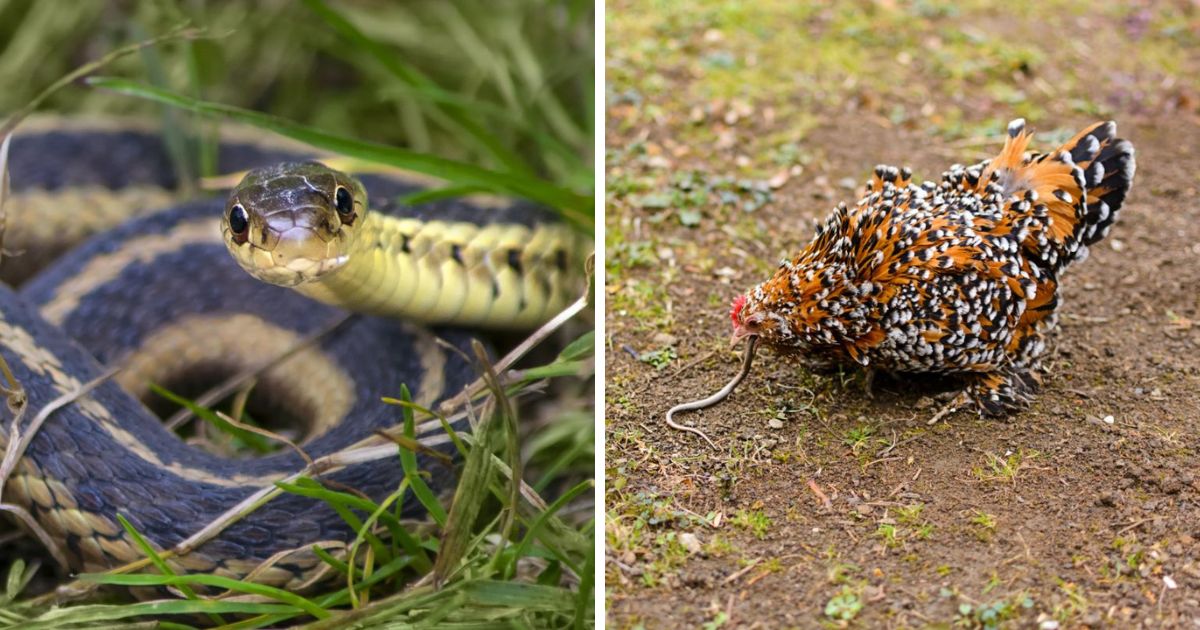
x=731, y=127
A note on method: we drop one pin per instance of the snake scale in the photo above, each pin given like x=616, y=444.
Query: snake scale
x=160, y=297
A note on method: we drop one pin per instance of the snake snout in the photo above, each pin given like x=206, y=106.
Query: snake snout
x=302, y=249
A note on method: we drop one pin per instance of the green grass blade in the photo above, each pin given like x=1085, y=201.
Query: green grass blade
x=556, y=369
x=518, y=595
x=584, y=603
x=551, y=147
x=338, y=565
x=473, y=486
x=450, y=432
x=523, y=548
x=408, y=460
x=574, y=208
x=342, y=502
x=552, y=574
x=171, y=625
x=568, y=544
x=561, y=462
x=307, y=487
x=179, y=32
x=454, y=109
x=385, y=571
x=328, y=601
x=583, y=346
x=216, y=581
x=438, y=194
x=571, y=361
x=94, y=614
x=411, y=76
x=173, y=130
x=252, y=440
x=507, y=415
x=157, y=560
x=19, y=576
x=351, y=588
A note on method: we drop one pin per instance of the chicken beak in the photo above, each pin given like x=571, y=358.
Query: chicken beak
x=739, y=333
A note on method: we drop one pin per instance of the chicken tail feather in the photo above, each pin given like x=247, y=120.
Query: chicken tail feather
x=1067, y=199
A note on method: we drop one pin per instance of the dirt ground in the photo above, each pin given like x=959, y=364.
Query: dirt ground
x=823, y=506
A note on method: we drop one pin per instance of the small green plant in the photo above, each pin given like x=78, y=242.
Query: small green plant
x=859, y=438
x=985, y=520
x=642, y=301
x=910, y=514
x=719, y=620
x=993, y=582
x=1127, y=561
x=773, y=565
x=844, y=606
x=1075, y=604
x=985, y=525
x=887, y=533
x=755, y=521
x=842, y=572
x=669, y=554
x=629, y=255
x=659, y=358
x=718, y=546
x=993, y=615
x=998, y=468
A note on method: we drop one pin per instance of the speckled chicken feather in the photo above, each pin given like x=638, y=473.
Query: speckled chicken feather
x=959, y=276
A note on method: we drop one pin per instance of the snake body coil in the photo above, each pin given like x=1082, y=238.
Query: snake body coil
x=159, y=297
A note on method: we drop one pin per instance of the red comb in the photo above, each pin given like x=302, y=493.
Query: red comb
x=738, y=303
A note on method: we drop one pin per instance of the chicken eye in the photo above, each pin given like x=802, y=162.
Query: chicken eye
x=344, y=201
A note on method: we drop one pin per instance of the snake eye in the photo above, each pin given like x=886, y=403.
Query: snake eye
x=344, y=201
x=239, y=221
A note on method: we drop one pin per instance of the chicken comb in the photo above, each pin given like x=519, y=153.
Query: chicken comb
x=738, y=303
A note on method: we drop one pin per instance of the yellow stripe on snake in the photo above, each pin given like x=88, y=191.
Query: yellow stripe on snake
x=159, y=297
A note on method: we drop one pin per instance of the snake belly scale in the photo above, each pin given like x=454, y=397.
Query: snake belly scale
x=159, y=297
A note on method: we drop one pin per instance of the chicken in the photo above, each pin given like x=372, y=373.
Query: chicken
x=957, y=277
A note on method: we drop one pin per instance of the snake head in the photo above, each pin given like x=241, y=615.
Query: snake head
x=294, y=222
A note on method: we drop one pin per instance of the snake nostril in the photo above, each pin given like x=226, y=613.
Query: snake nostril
x=239, y=220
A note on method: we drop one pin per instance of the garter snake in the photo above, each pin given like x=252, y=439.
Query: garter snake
x=160, y=297
x=307, y=226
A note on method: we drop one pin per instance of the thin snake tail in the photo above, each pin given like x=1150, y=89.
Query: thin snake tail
x=721, y=394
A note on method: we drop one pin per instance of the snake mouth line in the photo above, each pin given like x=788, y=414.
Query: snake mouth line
x=281, y=269
x=295, y=271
